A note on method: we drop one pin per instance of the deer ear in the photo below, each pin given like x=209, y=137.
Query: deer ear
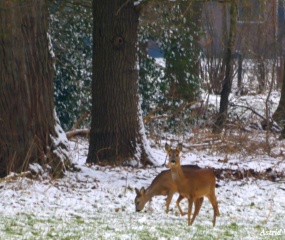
x=167, y=147
x=142, y=191
x=179, y=147
x=138, y=192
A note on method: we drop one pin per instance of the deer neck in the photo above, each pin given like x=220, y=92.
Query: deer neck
x=150, y=192
x=177, y=173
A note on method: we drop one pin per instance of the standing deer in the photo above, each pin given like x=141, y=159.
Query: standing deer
x=192, y=185
x=164, y=185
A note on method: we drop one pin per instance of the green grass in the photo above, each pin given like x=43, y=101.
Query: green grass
x=102, y=223
x=120, y=226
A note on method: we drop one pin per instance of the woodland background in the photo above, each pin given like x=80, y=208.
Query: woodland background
x=90, y=92
x=103, y=59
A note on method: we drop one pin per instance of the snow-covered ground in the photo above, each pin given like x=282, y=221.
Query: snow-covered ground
x=97, y=202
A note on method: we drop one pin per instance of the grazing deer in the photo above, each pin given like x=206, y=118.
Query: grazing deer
x=164, y=185
x=192, y=185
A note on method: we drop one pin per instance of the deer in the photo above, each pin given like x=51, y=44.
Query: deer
x=163, y=184
x=192, y=185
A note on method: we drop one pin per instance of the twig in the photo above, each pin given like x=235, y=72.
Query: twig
x=268, y=215
x=126, y=2
x=14, y=176
x=149, y=117
x=71, y=134
x=100, y=150
x=80, y=120
x=258, y=114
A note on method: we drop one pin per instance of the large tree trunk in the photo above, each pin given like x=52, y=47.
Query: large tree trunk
x=27, y=118
x=116, y=133
x=227, y=85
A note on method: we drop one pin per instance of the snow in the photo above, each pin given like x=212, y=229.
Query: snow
x=98, y=202
x=144, y=141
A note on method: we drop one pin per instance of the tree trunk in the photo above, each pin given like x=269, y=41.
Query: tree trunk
x=239, y=73
x=117, y=133
x=27, y=128
x=279, y=114
x=222, y=117
x=261, y=75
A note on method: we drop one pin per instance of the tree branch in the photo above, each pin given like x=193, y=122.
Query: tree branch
x=256, y=113
x=76, y=132
x=80, y=120
x=149, y=117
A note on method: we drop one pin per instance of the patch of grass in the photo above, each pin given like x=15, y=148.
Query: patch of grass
x=118, y=226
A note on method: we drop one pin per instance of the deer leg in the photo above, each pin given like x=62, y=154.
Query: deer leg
x=190, y=204
x=168, y=200
x=213, y=200
x=178, y=205
x=198, y=203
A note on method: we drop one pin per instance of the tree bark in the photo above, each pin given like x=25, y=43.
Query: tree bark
x=279, y=114
x=116, y=134
x=27, y=118
x=224, y=102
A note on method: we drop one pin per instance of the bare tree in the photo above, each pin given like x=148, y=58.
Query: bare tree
x=279, y=114
x=227, y=84
x=117, y=132
x=29, y=132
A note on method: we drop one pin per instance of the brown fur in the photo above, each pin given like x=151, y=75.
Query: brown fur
x=163, y=185
x=192, y=185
